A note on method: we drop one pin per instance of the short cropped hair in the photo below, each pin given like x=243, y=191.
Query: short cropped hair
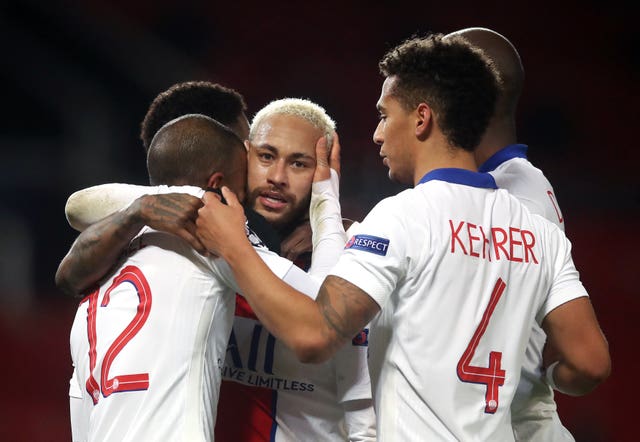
x=192, y=97
x=299, y=107
x=455, y=79
x=189, y=149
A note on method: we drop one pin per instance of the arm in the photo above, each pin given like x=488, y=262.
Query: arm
x=98, y=248
x=581, y=348
x=88, y=206
x=315, y=330
x=298, y=242
x=328, y=235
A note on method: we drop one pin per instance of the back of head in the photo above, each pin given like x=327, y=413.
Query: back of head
x=507, y=62
x=455, y=79
x=190, y=148
x=193, y=97
x=304, y=109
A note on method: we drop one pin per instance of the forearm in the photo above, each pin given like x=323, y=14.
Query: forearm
x=326, y=223
x=287, y=313
x=96, y=251
x=88, y=206
x=566, y=379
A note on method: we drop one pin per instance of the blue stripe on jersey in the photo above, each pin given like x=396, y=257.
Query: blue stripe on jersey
x=461, y=176
x=268, y=358
x=253, y=351
x=504, y=154
x=274, y=407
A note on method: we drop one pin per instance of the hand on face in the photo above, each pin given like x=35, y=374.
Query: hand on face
x=221, y=227
x=327, y=158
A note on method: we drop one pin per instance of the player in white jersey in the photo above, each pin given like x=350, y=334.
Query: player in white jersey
x=304, y=398
x=266, y=393
x=457, y=269
x=534, y=411
x=156, y=333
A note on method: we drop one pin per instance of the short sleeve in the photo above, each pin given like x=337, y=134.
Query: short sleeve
x=374, y=258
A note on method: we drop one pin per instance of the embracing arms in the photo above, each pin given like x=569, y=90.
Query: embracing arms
x=98, y=248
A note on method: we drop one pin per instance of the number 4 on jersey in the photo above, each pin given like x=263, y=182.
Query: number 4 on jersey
x=493, y=375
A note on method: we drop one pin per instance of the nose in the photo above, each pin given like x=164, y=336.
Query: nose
x=278, y=174
x=377, y=134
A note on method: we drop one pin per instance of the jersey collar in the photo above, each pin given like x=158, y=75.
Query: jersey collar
x=461, y=176
x=504, y=154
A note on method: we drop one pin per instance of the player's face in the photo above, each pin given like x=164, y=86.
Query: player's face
x=281, y=164
x=394, y=135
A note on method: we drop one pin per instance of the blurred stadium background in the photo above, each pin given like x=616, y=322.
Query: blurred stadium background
x=78, y=77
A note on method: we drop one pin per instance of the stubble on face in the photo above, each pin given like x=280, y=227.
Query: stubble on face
x=281, y=167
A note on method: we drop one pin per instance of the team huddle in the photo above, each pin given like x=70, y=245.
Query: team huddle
x=229, y=300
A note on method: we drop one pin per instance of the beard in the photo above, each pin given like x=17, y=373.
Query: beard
x=285, y=219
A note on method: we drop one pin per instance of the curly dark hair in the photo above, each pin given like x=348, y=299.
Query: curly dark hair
x=455, y=79
x=192, y=97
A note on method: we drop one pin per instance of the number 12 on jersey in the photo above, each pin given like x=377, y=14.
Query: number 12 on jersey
x=493, y=375
x=123, y=382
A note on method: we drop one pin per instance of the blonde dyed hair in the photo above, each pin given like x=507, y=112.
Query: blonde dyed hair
x=297, y=107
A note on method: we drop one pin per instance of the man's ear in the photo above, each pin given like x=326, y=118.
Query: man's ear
x=424, y=121
x=215, y=180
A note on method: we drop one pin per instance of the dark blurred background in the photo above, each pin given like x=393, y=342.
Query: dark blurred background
x=78, y=77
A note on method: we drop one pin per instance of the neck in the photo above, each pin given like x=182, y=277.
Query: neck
x=498, y=135
x=456, y=157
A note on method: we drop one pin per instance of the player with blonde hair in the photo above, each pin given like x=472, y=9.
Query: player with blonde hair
x=266, y=392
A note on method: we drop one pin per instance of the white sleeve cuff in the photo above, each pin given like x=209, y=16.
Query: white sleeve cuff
x=326, y=224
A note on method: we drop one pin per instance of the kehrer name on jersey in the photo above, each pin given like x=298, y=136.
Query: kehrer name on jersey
x=495, y=243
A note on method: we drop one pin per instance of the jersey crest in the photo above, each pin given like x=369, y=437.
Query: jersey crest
x=362, y=338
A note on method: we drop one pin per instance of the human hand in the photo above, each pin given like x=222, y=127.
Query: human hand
x=327, y=158
x=298, y=242
x=221, y=227
x=173, y=213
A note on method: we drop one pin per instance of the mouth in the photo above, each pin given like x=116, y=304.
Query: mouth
x=272, y=200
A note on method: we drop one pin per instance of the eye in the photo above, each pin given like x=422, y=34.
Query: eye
x=265, y=156
x=382, y=117
x=298, y=164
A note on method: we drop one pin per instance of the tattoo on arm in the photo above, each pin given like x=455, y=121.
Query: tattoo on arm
x=345, y=308
x=94, y=253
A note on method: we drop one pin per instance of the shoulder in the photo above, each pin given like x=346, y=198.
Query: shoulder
x=519, y=170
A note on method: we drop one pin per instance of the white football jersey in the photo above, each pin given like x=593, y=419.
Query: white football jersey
x=460, y=271
x=512, y=171
x=534, y=413
x=268, y=394
x=156, y=334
